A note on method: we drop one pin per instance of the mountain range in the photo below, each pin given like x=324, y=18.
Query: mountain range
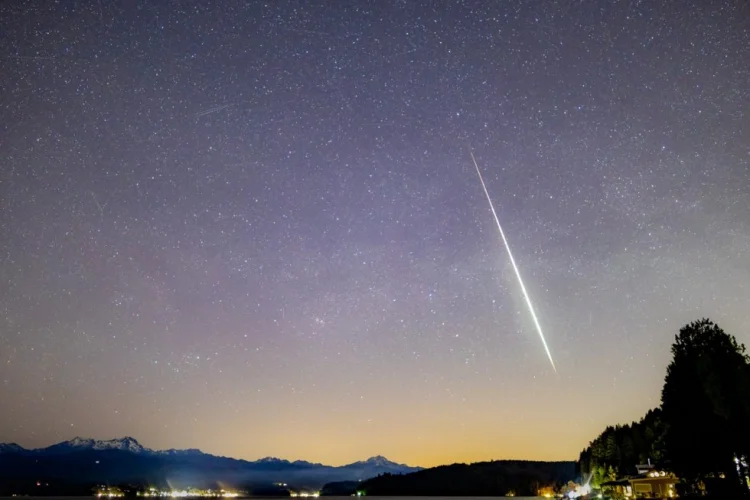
x=125, y=460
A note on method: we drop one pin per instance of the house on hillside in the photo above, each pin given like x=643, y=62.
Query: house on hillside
x=650, y=484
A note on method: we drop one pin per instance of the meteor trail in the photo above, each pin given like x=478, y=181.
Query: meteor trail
x=513, y=263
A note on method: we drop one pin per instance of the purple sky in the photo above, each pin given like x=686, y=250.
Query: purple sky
x=255, y=228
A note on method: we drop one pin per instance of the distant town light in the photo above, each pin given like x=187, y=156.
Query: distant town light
x=188, y=493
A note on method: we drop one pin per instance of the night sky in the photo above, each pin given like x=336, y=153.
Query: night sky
x=254, y=228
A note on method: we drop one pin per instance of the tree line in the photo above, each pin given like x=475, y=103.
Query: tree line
x=617, y=450
x=497, y=478
x=701, y=430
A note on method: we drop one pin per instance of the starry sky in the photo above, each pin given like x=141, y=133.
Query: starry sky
x=254, y=228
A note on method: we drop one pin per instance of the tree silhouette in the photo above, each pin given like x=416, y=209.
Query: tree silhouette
x=706, y=406
x=498, y=478
x=617, y=450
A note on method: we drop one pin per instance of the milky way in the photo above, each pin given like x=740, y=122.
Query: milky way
x=252, y=228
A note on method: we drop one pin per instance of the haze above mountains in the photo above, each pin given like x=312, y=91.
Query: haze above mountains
x=125, y=460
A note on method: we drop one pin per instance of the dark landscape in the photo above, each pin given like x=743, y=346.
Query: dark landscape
x=80, y=464
x=76, y=467
x=498, y=478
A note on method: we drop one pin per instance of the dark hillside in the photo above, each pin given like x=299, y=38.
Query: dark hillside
x=499, y=478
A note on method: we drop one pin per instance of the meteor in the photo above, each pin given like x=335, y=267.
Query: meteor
x=513, y=263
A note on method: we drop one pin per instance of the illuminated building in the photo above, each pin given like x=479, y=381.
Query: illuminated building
x=654, y=483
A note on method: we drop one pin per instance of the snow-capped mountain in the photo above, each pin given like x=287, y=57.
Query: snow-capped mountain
x=272, y=460
x=377, y=461
x=172, y=451
x=126, y=460
x=124, y=444
x=376, y=465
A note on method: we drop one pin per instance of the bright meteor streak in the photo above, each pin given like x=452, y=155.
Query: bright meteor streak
x=513, y=263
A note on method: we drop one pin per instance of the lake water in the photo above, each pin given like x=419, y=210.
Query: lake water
x=331, y=498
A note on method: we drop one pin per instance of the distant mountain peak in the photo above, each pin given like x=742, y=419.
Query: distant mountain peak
x=187, y=451
x=125, y=457
x=10, y=448
x=79, y=442
x=272, y=460
x=379, y=461
x=305, y=463
x=126, y=443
